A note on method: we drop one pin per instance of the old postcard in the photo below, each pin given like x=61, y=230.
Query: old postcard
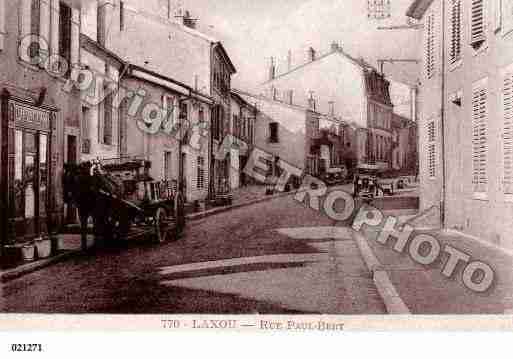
x=280, y=166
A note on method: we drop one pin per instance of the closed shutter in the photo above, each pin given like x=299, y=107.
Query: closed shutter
x=200, y=181
x=479, y=137
x=455, y=46
x=478, y=26
x=507, y=16
x=2, y=24
x=107, y=119
x=507, y=96
x=431, y=149
x=430, y=46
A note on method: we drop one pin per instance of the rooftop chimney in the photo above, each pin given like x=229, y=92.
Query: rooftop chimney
x=311, y=54
x=188, y=20
x=335, y=46
x=272, y=70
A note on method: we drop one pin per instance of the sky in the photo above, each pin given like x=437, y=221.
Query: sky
x=253, y=31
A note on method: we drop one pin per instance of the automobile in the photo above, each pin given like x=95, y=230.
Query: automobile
x=334, y=176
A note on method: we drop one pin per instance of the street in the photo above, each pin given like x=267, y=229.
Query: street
x=239, y=261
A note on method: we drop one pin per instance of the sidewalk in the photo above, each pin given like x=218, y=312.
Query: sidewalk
x=242, y=196
x=69, y=245
x=425, y=290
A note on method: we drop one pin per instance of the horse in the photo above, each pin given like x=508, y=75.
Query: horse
x=90, y=192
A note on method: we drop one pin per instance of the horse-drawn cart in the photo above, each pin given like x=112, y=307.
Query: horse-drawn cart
x=122, y=198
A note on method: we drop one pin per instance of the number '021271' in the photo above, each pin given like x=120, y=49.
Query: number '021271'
x=26, y=348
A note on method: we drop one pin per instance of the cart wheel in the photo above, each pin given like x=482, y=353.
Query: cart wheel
x=179, y=214
x=161, y=225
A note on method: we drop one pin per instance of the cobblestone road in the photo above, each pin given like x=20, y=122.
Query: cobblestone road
x=234, y=262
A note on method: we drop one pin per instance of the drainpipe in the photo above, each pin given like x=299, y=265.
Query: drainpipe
x=442, y=123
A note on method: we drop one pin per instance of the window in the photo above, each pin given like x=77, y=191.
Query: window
x=478, y=25
x=65, y=32
x=479, y=137
x=506, y=15
x=86, y=142
x=168, y=175
x=455, y=45
x=2, y=24
x=507, y=102
x=431, y=149
x=273, y=132
x=121, y=15
x=200, y=181
x=107, y=118
x=430, y=46
x=35, y=11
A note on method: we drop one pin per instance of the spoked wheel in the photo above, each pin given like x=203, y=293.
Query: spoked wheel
x=161, y=225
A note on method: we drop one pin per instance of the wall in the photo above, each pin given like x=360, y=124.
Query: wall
x=172, y=50
x=488, y=217
x=333, y=77
x=154, y=146
x=99, y=149
x=429, y=110
x=14, y=73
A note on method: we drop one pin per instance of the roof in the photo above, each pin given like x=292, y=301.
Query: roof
x=359, y=62
x=223, y=52
x=89, y=44
x=418, y=8
x=193, y=32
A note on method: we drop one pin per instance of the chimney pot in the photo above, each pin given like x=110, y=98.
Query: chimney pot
x=335, y=46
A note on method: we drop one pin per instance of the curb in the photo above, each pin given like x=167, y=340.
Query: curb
x=393, y=302
x=211, y=212
x=23, y=269
x=34, y=266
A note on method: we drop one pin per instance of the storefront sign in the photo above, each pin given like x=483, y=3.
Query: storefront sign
x=24, y=116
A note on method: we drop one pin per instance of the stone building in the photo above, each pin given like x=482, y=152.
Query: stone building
x=343, y=88
x=183, y=54
x=40, y=116
x=465, y=130
x=242, y=127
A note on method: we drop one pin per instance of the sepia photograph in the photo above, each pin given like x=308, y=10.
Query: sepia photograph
x=237, y=165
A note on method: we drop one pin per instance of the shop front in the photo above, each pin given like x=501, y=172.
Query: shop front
x=26, y=168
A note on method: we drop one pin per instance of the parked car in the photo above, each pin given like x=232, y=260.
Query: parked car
x=334, y=176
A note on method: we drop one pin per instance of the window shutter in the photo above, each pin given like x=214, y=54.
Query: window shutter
x=2, y=24
x=200, y=182
x=431, y=149
x=479, y=138
x=430, y=46
x=507, y=16
x=507, y=96
x=478, y=26
x=455, y=46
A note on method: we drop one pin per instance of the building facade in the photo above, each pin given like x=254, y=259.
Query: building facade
x=184, y=56
x=465, y=115
x=242, y=127
x=40, y=116
x=345, y=89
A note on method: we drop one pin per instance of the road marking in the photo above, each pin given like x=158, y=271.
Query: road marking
x=232, y=262
x=316, y=232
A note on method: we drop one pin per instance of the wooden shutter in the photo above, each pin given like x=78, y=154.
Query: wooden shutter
x=200, y=182
x=455, y=45
x=478, y=26
x=430, y=46
x=507, y=101
x=507, y=16
x=479, y=137
x=431, y=149
x=107, y=119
